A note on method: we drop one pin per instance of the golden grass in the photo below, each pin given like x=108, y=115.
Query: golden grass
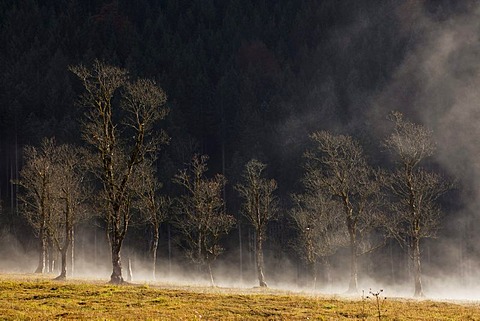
x=38, y=298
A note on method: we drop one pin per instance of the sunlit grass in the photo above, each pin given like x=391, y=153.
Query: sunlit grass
x=31, y=297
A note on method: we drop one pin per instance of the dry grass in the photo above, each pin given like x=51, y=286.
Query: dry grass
x=37, y=298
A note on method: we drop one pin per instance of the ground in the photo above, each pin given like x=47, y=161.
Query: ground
x=34, y=297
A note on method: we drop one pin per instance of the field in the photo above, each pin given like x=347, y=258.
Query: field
x=30, y=297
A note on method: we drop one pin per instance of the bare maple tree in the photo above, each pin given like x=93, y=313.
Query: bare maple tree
x=153, y=206
x=317, y=218
x=339, y=165
x=259, y=207
x=202, y=219
x=122, y=137
x=36, y=194
x=71, y=196
x=416, y=214
x=52, y=196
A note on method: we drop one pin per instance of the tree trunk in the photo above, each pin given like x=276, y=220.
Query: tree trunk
x=327, y=272
x=169, y=251
x=129, y=270
x=312, y=269
x=66, y=243
x=240, y=253
x=51, y=255
x=211, y=274
x=63, y=271
x=116, y=277
x=259, y=259
x=42, y=259
x=353, y=285
x=417, y=268
x=200, y=243
x=72, y=257
x=153, y=252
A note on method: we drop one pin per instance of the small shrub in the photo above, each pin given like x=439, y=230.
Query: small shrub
x=379, y=301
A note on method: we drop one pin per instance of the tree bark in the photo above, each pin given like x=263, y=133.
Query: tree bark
x=63, y=271
x=212, y=281
x=129, y=270
x=353, y=285
x=116, y=277
x=328, y=273
x=51, y=257
x=153, y=252
x=42, y=259
x=417, y=268
x=72, y=257
x=312, y=269
x=66, y=243
x=259, y=259
x=240, y=247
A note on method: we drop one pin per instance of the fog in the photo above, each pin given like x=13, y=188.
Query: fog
x=92, y=262
x=437, y=86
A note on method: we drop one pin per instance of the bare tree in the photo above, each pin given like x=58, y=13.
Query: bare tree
x=317, y=218
x=153, y=206
x=416, y=215
x=339, y=165
x=36, y=193
x=259, y=207
x=122, y=138
x=203, y=220
x=51, y=194
x=71, y=196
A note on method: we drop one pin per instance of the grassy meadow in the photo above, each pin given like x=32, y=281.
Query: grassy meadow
x=32, y=297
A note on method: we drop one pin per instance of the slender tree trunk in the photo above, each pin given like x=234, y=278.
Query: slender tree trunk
x=66, y=244
x=153, y=252
x=392, y=265
x=129, y=270
x=200, y=243
x=51, y=254
x=328, y=272
x=259, y=259
x=212, y=281
x=72, y=257
x=63, y=253
x=353, y=285
x=312, y=269
x=417, y=268
x=42, y=259
x=240, y=250
x=169, y=251
x=63, y=271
